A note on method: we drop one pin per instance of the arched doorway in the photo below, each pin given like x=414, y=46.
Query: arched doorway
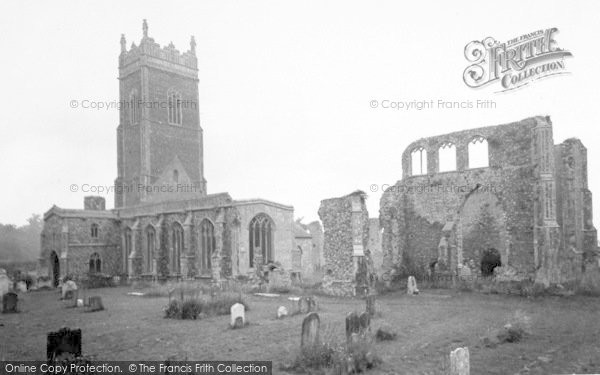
x=55, y=268
x=490, y=260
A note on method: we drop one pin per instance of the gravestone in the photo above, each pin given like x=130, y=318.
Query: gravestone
x=282, y=312
x=459, y=361
x=4, y=283
x=94, y=304
x=411, y=286
x=371, y=304
x=352, y=324
x=364, y=322
x=310, y=329
x=9, y=303
x=238, y=319
x=68, y=287
x=72, y=300
x=21, y=287
x=64, y=344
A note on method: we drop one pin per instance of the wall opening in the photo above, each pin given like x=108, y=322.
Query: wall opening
x=55, y=264
x=490, y=260
x=447, y=157
x=418, y=158
x=478, y=153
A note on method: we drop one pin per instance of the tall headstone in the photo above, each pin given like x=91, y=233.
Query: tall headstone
x=9, y=302
x=411, y=286
x=459, y=361
x=63, y=344
x=238, y=318
x=352, y=324
x=310, y=329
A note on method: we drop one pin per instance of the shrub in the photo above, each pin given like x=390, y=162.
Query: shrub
x=192, y=308
x=384, y=334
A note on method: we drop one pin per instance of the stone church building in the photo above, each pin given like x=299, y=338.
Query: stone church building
x=165, y=224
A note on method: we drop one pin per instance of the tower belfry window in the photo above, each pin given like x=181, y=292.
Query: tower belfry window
x=174, y=107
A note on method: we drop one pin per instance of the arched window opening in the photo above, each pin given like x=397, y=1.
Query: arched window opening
x=174, y=107
x=478, y=153
x=207, y=245
x=128, y=247
x=150, y=246
x=490, y=260
x=94, y=230
x=261, y=239
x=447, y=157
x=177, y=248
x=95, y=263
x=418, y=159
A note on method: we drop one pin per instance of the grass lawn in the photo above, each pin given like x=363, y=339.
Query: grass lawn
x=565, y=331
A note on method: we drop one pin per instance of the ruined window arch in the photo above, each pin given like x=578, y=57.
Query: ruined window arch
x=490, y=260
x=418, y=158
x=478, y=153
x=134, y=111
x=207, y=245
x=174, y=107
x=150, y=246
x=447, y=157
x=95, y=263
x=177, y=248
x=261, y=238
x=94, y=230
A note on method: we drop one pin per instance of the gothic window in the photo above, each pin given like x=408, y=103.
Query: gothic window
x=94, y=230
x=174, y=107
x=95, y=263
x=134, y=110
x=261, y=238
x=207, y=244
x=447, y=157
x=177, y=248
x=478, y=153
x=150, y=245
x=418, y=158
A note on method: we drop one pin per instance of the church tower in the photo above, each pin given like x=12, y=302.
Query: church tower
x=159, y=138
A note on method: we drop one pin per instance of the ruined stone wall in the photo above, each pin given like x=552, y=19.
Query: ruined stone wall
x=346, y=233
x=489, y=207
x=375, y=247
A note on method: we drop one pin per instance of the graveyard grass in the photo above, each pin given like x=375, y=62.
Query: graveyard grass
x=564, y=332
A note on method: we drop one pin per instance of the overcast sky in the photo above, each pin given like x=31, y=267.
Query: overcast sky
x=285, y=90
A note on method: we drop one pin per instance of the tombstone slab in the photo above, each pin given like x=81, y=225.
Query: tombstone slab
x=459, y=361
x=9, y=303
x=411, y=286
x=310, y=330
x=282, y=312
x=238, y=315
x=63, y=344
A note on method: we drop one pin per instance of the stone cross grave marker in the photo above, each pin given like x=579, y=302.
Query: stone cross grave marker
x=9, y=302
x=411, y=286
x=94, y=304
x=352, y=324
x=459, y=361
x=63, y=344
x=310, y=329
x=238, y=318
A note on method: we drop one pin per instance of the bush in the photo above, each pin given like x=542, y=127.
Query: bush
x=97, y=280
x=194, y=308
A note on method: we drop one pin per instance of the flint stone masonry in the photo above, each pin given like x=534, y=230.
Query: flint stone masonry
x=531, y=204
x=346, y=234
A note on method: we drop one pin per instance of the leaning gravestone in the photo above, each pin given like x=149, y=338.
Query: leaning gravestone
x=411, y=287
x=9, y=303
x=371, y=304
x=364, y=322
x=459, y=361
x=68, y=288
x=238, y=319
x=64, y=344
x=352, y=324
x=310, y=330
x=94, y=304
